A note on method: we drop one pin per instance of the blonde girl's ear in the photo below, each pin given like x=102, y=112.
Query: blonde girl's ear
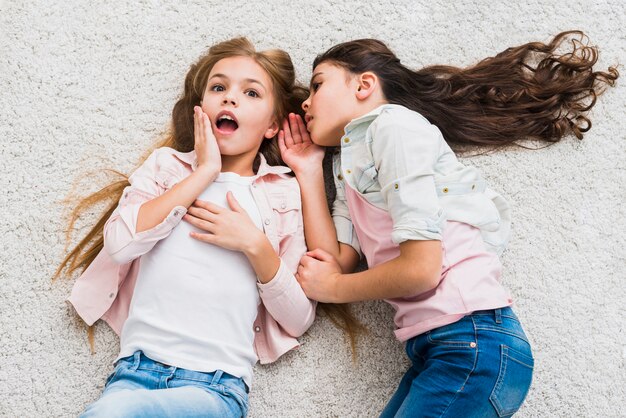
x=272, y=130
x=367, y=83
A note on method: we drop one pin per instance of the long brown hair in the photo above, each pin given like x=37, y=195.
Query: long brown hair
x=525, y=92
x=288, y=97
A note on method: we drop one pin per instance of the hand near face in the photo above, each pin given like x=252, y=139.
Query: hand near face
x=205, y=145
x=318, y=275
x=296, y=147
x=229, y=228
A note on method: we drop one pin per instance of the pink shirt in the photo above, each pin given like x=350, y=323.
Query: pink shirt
x=105, y=289
x=470, y=276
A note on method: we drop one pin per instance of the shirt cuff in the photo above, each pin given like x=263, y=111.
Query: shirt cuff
x=278, y=284
x=130, y=214
x=424, y=229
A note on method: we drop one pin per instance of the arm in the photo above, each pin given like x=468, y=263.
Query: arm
x=283, y=297
x=184, y=193
x=416, y=270
x=305, y=159
x=147, y=211
x=405, y=155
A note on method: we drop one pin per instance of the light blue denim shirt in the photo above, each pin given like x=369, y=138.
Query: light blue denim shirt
x=400, y=163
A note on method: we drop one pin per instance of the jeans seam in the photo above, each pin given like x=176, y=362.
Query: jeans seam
x=456, y=395
x=503, y=365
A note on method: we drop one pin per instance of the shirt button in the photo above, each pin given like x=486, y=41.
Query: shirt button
x=445, y=190
x=111, y=294
x=257, y=329
x=176, y=213
x=348, y=171
x=473, y=344
x=346, y=140
x=267, y=221
x=340, y=177
x=283, y=206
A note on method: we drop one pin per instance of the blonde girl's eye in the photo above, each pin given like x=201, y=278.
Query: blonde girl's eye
x=252, y=93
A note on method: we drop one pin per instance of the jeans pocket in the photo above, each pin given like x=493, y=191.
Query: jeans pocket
x=516, y=371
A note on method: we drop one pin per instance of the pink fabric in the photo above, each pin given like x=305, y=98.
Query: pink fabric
x=106, y=287
x=470, y=277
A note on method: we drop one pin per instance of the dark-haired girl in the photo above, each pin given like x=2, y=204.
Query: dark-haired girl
x=429, y=227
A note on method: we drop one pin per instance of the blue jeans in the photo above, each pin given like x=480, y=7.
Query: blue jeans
x=141, y=387
x=480, y=366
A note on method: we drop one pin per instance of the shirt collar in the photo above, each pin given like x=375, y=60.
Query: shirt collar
x=264, y=167
x=368, y=117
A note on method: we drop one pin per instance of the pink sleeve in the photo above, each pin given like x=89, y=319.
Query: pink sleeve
x=283, y=297
x=152, y=179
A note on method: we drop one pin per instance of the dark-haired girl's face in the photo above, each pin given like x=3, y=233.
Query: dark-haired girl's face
x=331, y=104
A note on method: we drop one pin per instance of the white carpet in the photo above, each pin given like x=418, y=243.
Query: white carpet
x=89, y=85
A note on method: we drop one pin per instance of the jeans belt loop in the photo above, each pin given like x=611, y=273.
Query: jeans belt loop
x=217, y=375
x=136, y=359
x=498, y=314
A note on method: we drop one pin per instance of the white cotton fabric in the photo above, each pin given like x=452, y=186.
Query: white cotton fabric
x=195, y=303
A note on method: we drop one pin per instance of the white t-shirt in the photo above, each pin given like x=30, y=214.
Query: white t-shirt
x=195, y=303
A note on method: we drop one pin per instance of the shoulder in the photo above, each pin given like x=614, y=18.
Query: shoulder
x=282, y=182
x=396, y=118
x=166, y=166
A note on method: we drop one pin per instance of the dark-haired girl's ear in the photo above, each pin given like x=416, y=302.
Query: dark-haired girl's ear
x=367, y=84
x=272, y=130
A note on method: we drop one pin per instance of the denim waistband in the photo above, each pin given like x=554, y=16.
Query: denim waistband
x=497, y=314
x=139, y=361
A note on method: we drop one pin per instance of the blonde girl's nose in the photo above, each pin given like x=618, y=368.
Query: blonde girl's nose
x=229, y=99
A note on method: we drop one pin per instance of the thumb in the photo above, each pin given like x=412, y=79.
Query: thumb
x=320, y=254
x=232, y=202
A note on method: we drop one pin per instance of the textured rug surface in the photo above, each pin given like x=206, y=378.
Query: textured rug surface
x=86, y=86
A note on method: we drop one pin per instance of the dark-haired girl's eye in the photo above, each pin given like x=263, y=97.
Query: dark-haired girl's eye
x=217, y=87
x=315, y=86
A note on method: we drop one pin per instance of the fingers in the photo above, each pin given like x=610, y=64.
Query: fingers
x=211, y=207
x=281, y=142
x=208, y=238
x=233, y=203
x=287, y=134
x=196, y=122
x=302, y=127
x=202, y=213
x=319, y=254
x=307, y=261
x=199, y=223
x=295, y=129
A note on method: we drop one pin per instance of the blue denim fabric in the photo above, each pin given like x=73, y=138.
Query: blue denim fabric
x=480, y=366
x=141, y=387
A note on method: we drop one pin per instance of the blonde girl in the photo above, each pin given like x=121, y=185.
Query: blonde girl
x=194, y=266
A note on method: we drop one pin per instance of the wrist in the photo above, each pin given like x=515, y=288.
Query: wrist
x=338, y=280
x=207, y=172
x=310, y=173
x=255, y=245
